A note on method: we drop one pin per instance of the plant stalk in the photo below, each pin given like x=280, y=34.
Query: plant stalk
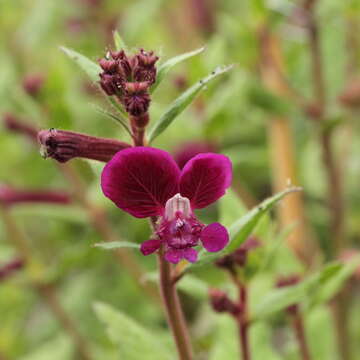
x=298, y=325
x=174, y=314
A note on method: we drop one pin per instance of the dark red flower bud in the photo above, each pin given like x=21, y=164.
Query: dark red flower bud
x=136, y=98
x=144, y=69
x=65, y=145
x=109, y=66
x=111, y=84
x=220, y=302
x=13, y=124
x=10, y=268
x=313, y=110
x=33, y=83
x=350, y=97
x=289, y=280
x=11, y=196
x=239, y=256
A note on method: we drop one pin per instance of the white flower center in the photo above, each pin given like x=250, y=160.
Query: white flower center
x=177, y=204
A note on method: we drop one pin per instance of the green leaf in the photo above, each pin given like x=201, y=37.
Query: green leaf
x=91, y=68
x=279, y=299
x=119, y=119
x=242, y=228
x=181, y=103
x=165, y=67
x=328, y=291
x=132, y=338
x=117, y=245
x=119, y=42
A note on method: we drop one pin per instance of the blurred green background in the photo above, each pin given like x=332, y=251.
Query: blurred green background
x=233, y=113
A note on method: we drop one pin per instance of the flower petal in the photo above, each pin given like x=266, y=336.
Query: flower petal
x=150, y=246
x=140, y=180
x=205, y=178
x=174, y=255
x=214, y=237
x=190, y=254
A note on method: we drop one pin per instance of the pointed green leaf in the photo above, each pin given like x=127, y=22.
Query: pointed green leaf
x=165, y=67
x=279, y=299
x=119, y=42
x=242, y=228
x=182, y=102
x=91, y=68
x=133, y=339
x=117, y=245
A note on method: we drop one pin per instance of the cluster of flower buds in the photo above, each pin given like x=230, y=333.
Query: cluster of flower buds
x=220, y=302
x=285, y=281
x=239, y=256
x=129, y=79
x=10, y=268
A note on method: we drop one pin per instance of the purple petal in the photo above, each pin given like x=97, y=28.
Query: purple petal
x=174, y=255
x=190, y=254
x=140, y=180
x=205, y=178
x=214, y=237
x=150, y=246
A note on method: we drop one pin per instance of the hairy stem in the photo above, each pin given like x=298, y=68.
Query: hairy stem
x=174, y=314
x=46, y=291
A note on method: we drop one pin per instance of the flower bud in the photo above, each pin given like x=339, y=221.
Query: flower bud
x=136, y=98
x=33, y=83
x=65, y=145
x=239, y=256
x=350, y=97
x=220, y=302
x=289, y=280
x=145, y=69
x=12, y=123
x=10, y=268
x=11, y=196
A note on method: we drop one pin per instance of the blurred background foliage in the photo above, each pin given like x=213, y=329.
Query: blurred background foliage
x=233, y=114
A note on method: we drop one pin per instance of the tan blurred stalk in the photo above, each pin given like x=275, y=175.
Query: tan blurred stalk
x=281, y=141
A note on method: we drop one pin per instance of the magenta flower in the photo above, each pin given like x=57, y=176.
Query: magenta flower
x=147, y=182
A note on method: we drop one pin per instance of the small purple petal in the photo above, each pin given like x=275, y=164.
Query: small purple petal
x=140, y=180
x=190, y=254
x=150, y=246
x=174, y=255
x=214, y=237
x=205, y=178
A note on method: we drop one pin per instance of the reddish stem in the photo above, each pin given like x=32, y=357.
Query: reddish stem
x=298, y=325
x=174, y=314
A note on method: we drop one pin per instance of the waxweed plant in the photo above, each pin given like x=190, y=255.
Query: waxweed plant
x=147, y=182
